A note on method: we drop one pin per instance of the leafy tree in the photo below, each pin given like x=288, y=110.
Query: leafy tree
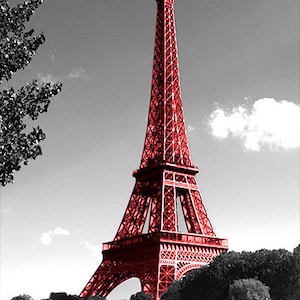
x=22, y=297
x=63, y=296
x=277, y=269
x=173, y=292
x=295, y=293
x=141, y=296
x=17, y=47
x=95, y=298
x=248, y=289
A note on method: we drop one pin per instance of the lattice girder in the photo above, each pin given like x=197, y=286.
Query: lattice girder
x=158, y=191
x=148, y=244
x=166, y=138
x=156, y=259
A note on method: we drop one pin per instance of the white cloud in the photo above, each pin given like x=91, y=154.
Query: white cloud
x=94, y=249
x=46, y=78
x=47, y=237
x=268, y=124
x=60, y=231
x=75, y=74
x=78, y=73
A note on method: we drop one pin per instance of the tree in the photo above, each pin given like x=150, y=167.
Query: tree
x=277, y=269
x=140, y=296
x=22, y=297
x=248, y=289
x=173, y=292
x=295, y=291
x=17, y=47
x=63, y=296
x=95, y=298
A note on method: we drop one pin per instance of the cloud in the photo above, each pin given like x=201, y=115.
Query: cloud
x=268, y=124
x=75, y=74
x=95, y=250
x=47, y=237
x=78, y=73
x=46, y=78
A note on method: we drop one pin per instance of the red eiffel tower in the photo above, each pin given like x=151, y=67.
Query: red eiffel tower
x=148, y=244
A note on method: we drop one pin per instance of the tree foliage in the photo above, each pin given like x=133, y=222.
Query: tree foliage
x=22, y=297
x=277, y=269
x=141, y=296
x=63, y=296
x=95, y=298
x=17, y=47
x=296, y=287
x=248, y=289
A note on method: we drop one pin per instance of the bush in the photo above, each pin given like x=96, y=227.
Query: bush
x=248, y=289
x=141, y=296
x=277, y=269
x=22, y=297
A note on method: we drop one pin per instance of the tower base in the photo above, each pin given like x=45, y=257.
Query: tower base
x=157, y=259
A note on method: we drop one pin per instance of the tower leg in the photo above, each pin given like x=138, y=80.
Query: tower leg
x=107, y=277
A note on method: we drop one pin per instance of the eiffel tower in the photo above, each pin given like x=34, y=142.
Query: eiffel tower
x=148, y=244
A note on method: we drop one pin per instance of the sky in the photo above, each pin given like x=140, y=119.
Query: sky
x=239, y=69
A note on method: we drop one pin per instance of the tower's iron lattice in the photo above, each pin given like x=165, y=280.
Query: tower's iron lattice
x=148, y=244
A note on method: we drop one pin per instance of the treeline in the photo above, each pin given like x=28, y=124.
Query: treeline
x=260, y=275
x=57, y=296
x=232, y=273
x=65, y=296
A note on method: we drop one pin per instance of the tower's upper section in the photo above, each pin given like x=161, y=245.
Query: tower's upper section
x=166, y=139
